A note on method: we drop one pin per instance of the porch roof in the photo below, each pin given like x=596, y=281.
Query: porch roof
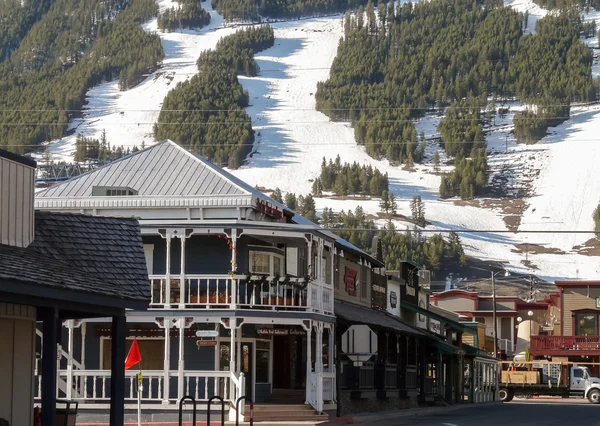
x=356, y=314
x=76, y=258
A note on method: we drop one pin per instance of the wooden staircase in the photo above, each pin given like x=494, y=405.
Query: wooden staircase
x=286, y=405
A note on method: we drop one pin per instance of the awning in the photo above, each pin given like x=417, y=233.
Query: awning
x=356, y=314
x=456, y=325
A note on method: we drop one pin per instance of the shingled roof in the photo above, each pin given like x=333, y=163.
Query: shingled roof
x=88, y=254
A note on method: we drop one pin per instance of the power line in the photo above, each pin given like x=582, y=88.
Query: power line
x=406, y=108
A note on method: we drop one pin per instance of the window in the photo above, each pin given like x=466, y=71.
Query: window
x=266, y=263
x=578, y=373
x=587, y=324
x=262, y=361
x=112, y=191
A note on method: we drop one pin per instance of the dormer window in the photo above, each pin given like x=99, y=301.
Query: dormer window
x=112, y=191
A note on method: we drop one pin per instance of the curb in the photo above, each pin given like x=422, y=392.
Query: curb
x=370, y=418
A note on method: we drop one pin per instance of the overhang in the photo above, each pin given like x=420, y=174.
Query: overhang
x=432, y=315
x=356, y=314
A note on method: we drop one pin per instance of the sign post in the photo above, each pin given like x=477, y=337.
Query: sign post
x=140, y=388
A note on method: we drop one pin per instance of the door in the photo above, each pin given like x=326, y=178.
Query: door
x=247, y=367
x=281, y=362
x=577, y=379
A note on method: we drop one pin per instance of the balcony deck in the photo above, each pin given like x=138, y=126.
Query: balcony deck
x=240, y=292
x=565, y=345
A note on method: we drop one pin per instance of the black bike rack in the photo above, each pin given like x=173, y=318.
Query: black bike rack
x=222, y=410
x=191, y=398
x=237, y=410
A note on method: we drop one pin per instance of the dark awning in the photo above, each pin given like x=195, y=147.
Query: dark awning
x=455, y=325
x=356, y=314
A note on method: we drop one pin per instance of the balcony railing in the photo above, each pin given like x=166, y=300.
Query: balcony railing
x=566, y=343
x=241, y=291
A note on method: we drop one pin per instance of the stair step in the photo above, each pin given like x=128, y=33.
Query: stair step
x=282, y=407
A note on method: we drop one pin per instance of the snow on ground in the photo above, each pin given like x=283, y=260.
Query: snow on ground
x=128, y=116
x=292, y=138
x=533, y=11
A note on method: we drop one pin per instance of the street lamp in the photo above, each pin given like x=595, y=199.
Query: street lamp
x=506, y=274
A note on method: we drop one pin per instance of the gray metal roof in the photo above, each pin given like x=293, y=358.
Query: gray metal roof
x=162, y=169
x=356, y=314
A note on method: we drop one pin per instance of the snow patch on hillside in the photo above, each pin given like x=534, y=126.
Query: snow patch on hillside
x=128, y=116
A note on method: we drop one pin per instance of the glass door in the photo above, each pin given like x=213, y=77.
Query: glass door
x=247, y=367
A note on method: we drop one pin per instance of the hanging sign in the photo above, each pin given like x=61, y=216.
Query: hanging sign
x=200, y=343
x=207, y=333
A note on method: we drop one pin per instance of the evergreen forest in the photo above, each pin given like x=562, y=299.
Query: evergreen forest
x=253, y=10
x=400, y=61
x=207, y=112
x=189, y=14
x=344, y=179
x=70, y=48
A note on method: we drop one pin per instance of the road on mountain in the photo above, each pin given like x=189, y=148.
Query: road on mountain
x=531, y=413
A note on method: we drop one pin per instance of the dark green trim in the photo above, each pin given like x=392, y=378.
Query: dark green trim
x=455, y=325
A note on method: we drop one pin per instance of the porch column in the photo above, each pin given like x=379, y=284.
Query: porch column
x=512, y=333
x=238, y=364
x=319, y=349
x=167, y=300
x=233, y=330
x=182, y=289
x=83, y=381
x=167, y=362
x=181, y=362
x=330, y=349
x=49, y=347
x=308, y=360
x=70, y=327
x=117, y=373
x=233, y=268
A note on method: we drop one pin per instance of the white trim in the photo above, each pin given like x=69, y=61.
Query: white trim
x=145, y=202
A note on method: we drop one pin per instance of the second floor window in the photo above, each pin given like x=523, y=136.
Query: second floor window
x=587, y=324
x=266, y=263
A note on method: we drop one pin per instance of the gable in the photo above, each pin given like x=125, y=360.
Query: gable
x=164, y=169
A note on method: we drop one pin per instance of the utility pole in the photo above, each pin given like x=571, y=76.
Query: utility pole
x=494, y=316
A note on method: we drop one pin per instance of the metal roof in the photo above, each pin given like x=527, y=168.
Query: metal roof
x=145, y=172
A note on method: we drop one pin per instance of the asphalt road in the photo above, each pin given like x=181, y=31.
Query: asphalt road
x=517, y=413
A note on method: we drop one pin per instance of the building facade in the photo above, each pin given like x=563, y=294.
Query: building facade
x=243, y=289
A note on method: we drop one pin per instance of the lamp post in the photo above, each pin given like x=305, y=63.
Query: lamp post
x=506, y=274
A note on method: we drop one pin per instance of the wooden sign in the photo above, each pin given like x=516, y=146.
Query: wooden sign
x=279, y=332
x=200, y=343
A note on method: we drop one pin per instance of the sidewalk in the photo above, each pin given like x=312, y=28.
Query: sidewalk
x=369, y=418
x=423, y=411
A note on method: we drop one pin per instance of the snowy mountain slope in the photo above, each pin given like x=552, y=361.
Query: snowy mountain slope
x=128, y=116
x=554, y=183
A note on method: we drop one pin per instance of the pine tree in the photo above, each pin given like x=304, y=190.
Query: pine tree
x=393, y=204
x=290, y=200
x=436, y=162
x=384, y=204
x=276, y=195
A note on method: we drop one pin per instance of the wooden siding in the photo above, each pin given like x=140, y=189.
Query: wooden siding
x=456, y=304
x=17, y=363
x=577, y=298
x=16, y=203
x=363, y=282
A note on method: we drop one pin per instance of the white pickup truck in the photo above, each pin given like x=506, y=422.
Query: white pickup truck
x=580, y=383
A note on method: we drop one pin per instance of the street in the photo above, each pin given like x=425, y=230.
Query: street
x=516, y=413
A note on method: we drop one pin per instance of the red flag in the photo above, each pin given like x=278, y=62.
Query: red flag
x=134, y=356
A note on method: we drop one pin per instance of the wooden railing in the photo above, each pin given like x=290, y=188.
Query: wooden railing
x=411, y=377
x=568, y=343
x=94, y=385
x=239, y=291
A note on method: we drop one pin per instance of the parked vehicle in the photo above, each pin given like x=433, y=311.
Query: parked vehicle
x=524, y=379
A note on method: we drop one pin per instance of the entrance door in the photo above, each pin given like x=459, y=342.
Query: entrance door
x=247, y=367
x=281, y=362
